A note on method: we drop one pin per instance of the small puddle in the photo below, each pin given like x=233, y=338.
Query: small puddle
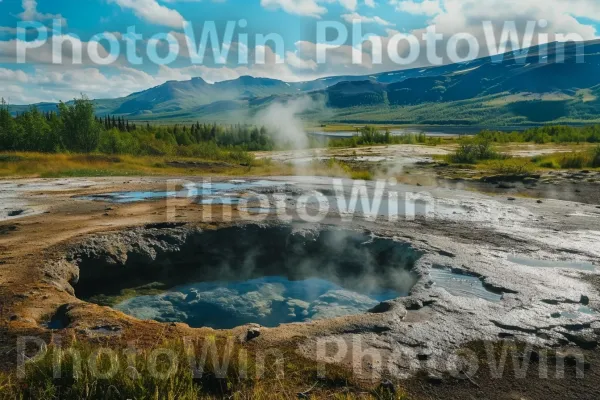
x=462, y=285
x=211, y=193
x=575, y=314
x=530, y=262
x=269, y=301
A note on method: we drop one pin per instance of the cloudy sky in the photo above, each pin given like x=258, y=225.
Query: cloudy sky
x=40, y=79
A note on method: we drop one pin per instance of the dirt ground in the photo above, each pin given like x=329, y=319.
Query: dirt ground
x=55, y=219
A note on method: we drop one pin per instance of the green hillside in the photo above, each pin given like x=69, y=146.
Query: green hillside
x=535, y=89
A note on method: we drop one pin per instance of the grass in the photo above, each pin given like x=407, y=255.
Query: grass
x=95, y=165
x=43, y=165
x=131, y=376
x=511, y=166
x=572, y=160
x=481, y=155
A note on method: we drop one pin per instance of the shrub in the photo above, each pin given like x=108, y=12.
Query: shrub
x=552, y=164
x=596, y=158
x=470, y=151
x=575, y=160
x=513, y=166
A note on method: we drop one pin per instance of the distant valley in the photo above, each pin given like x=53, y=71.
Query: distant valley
x=530, y=90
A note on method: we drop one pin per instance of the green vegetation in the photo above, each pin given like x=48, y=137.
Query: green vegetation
x=55, y=165
x=371, y=135
x=248, y=373
x=481, y=150
x=547, y=134
x=474, y=150
x=572, y=160
x=75, y=129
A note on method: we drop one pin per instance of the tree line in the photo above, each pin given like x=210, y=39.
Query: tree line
x=547, y=134
x=74, y=127
x=371, y=135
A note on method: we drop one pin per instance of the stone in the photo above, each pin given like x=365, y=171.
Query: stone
x=387, y=386
x=252, y=333
x=434, y=378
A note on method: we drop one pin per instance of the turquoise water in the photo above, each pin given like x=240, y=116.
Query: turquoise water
x=462, y=285
x=213, y=193
x=268, y=301
x=576, y=313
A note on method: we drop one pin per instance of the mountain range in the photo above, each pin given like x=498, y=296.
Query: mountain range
x=523, y=89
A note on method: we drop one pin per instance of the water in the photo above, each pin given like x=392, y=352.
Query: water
x=576, y=313
x=530, y=262
x=268, y=301
x=211, y=193
x=428, y=130
x=462, y=285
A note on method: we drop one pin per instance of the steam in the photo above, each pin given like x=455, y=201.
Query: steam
x=283, y=119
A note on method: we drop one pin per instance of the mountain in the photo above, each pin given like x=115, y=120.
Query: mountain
x=522, y=89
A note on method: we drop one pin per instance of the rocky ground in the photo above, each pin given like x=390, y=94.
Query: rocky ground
x=534, y=260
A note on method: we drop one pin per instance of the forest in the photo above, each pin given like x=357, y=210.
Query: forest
x=75, y=128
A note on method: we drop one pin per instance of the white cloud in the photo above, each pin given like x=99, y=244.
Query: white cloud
x=151, y=11
x=468, y=15
x=295, y=61
x=307, y=8
x=425, y=7
x=47, y=53
x=30, y=13
x=356, y=17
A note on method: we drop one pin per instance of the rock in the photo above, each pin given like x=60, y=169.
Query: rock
x=572, y=361
x=434, y=378
x=510, y=178
x=413, y=304
x=15, y=213
x=387, y=386
x=382, y=307
x=504, y=185
x=252, y=333
x=585, y=340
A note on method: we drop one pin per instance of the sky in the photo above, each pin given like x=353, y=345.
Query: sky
x=38, y=77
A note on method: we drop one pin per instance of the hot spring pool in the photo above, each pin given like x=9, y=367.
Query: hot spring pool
x=268, y=301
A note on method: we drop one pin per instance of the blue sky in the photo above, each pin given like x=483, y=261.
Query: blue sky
x=295, y=21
